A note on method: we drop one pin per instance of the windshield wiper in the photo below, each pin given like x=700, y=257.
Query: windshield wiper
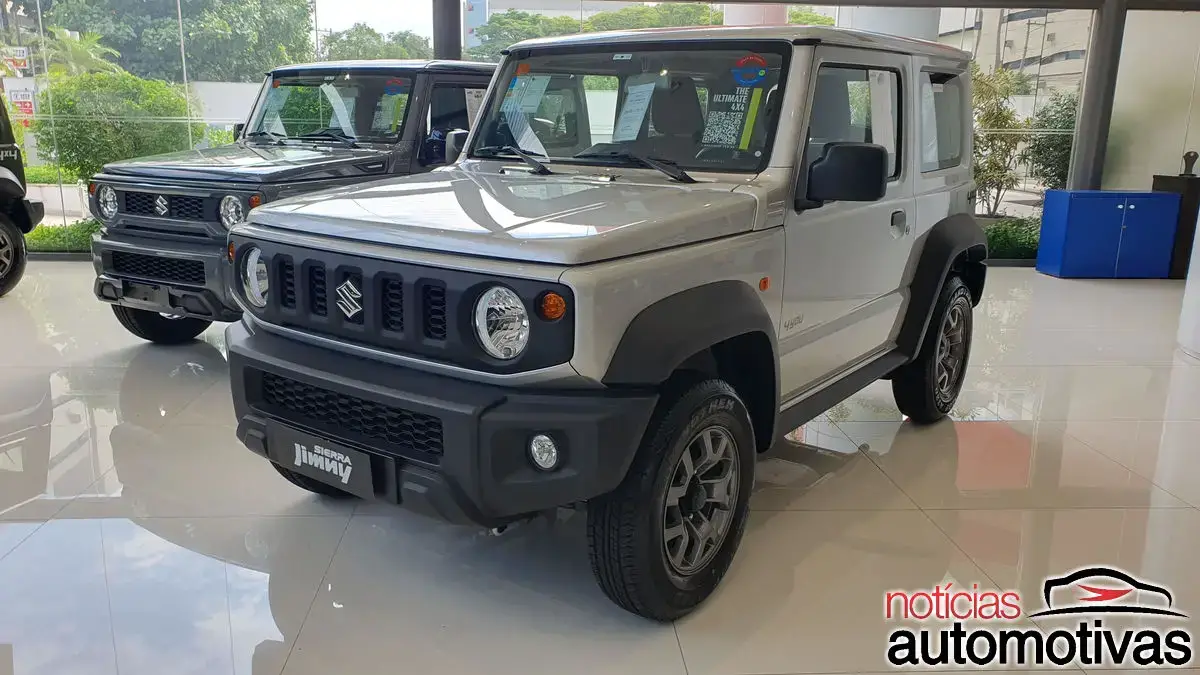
x=539, y=168
x=332, y=134
x=264, y=134
x=666, y=166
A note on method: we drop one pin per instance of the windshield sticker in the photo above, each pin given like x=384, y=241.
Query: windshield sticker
x=340, y=114
x=637, y=101
x=523, y=68
x=622, y=57
x=750, y=70
x=731, y=117
x=394, y=87
x=474, y=103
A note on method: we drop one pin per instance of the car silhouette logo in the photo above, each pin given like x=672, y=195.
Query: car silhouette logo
x=348, y=299
x=161, y=205
x=1106, y=589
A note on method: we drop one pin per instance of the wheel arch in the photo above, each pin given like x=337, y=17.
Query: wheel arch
x=720, y=329
x=954, y=245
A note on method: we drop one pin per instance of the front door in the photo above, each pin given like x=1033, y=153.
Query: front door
x=846, y=261
x=454, y=103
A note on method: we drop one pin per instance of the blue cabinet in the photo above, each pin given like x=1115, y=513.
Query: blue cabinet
x=1107, y=235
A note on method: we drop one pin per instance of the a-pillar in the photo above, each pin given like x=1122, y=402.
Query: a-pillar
x=447, y=29
x=911, y=22
x=755, y=15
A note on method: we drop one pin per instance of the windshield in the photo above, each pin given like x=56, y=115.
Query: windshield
x=332, y=106
x=708, y=107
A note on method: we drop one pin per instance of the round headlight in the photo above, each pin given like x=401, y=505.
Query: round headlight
x=502, y=323
x=106, y=199
x=255, y=278
x=232, y=211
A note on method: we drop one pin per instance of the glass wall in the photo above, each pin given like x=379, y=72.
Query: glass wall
x=94, y=81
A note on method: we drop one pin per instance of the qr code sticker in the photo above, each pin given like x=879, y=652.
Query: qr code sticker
x=724, y=128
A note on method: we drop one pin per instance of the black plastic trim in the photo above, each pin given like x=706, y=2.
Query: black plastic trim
x=665, y=334
x=811, y=407
x=957, y=239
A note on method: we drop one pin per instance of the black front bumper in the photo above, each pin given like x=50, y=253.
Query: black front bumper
x=209, y=300
x=477, y=471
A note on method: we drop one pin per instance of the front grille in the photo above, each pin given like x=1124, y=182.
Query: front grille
x=392, y=296
x=287, y=274
x=350, y=416
x=433, y=309
x=154, y=267
x=179, y=207
x=316, y=291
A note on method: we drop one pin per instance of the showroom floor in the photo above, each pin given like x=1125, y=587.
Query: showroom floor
x=138, y=536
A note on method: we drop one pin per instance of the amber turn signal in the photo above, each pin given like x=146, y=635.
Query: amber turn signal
x=91, y=188
x=255, y=201
x=764, y=283
x=552, y=306
x=231, y=249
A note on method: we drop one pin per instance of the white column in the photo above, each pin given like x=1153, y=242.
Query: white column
x=912, y=22
x=755, y=15
x=1189, y=315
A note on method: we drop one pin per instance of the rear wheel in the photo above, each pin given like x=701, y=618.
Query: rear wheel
x=12, y=255
x=663, y=540
x=927, y=389
x=313, y=486
x=157, y=328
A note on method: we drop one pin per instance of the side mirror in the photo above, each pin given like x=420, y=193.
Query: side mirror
x=455, y=140
x=849, y=172
x=238, y=128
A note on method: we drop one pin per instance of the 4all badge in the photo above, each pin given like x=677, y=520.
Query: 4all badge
x=750, y=70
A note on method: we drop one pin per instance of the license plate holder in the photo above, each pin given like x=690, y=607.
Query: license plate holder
x=320, y=459
x=142, y=291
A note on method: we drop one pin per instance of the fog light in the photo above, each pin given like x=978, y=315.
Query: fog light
x=543, y=452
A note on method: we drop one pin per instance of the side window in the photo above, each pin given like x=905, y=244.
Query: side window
x=856, y=104
x=942, y=121
x=451, y=107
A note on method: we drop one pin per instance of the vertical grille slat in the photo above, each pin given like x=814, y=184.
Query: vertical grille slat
x=392, y=301
x=319, y=304
x=433, y=311
x=287, y=285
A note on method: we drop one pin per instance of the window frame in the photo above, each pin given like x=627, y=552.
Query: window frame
x=900, y=121
x=959, y=159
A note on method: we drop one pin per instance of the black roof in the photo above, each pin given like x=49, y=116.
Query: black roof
x=438, y=66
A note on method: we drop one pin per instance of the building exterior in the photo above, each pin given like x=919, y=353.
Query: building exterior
x=1050, y=45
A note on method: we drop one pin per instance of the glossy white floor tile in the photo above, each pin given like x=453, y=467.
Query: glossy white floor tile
x=138, y=536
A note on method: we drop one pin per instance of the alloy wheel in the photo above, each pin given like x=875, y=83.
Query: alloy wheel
x=701, y=498
x=8, y=253
x=951, y=349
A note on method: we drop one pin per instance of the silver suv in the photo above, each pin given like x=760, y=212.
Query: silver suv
x=657, y=253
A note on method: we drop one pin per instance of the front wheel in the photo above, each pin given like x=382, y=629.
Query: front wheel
x=157, y=328
x=12, y=256
x=662, y=541
x=927, y=388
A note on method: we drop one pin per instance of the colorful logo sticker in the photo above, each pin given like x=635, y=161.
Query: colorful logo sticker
x=523, y=68
x=750, y=70
x=394, y=87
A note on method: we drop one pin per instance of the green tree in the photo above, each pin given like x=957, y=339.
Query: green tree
x=507, y=28
x=1049, y=151
x=999, y=134
x=805, y=16
x=225, y=40
x=657, y=16
x=70, y=55
x=105, y=117
x=360, y=41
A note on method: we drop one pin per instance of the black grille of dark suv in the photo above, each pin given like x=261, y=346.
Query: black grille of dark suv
x=160, y=268
x=179, y=207
x=351, y=417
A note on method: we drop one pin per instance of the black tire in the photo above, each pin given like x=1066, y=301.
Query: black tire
x=13, y=256
x=313, y=486
x=919, y=391
x=627, y=540
x=157, y=328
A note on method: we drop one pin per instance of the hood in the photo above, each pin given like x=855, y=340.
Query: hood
x=560, y=219
x=256, y=163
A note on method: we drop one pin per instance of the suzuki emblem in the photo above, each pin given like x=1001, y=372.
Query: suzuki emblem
x=161, y=205
x=348, y=299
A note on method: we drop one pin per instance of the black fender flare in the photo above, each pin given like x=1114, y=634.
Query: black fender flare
x=953, y=243
x=667, y=333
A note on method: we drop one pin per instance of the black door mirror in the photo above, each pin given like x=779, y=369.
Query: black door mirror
x=455, y=140
x=849, y=172
x=238, y=129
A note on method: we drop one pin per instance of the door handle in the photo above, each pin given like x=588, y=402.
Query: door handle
x=900, y=222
